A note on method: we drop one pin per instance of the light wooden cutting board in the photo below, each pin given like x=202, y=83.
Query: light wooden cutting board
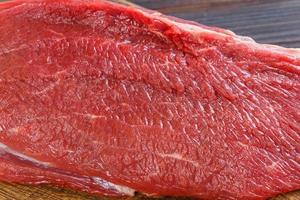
x=267, y=21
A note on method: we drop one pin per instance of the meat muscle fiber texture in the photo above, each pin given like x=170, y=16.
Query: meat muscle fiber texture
x=110, y=99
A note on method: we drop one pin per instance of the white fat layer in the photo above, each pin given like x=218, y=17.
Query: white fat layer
x=101, y=182
x=5, y=148
x=120, y=188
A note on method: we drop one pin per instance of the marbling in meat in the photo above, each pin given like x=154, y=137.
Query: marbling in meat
x=111, y=99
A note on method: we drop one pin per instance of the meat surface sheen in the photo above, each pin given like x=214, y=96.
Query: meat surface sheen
x=111, y=99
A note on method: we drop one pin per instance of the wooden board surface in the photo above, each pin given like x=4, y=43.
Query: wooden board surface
x=10, y=191
x=267, y=21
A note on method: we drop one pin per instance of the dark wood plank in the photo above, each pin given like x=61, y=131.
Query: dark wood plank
x=267, y=21
x=10, y=191
x=21, y=192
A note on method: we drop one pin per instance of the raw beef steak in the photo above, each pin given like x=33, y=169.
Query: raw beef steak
x=111, y=99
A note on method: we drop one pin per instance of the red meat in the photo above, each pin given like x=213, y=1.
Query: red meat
x=111, y=99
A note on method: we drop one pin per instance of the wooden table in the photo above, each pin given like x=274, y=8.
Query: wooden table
x=267, y=21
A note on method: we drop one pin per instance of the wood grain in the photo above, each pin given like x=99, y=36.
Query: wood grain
x=267, y=21
x=9, y=191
